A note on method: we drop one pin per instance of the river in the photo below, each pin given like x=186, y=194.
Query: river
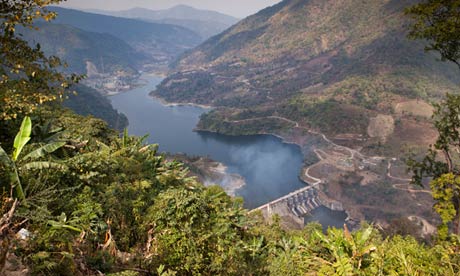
x=269, y=166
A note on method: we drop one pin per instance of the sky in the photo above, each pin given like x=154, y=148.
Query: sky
x=237, y=8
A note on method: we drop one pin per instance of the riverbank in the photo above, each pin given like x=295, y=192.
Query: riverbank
x=302, y=141
x=230, y=182
x=352, y=218
x=172, y=104
x=359, y=184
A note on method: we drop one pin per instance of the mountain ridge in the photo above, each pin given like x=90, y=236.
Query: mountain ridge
x=204, y=22
x=178, y=12
x=299, y=52
x=76, y=47
x=163, y=42
x=342, y=70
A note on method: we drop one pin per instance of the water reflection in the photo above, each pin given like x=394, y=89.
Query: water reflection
x=269, y=166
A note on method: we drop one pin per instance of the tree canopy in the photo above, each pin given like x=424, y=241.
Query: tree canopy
x=437, y=21
x=28, y=78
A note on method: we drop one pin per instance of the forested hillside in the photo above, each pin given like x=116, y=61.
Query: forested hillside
x=77, y=47
x=79, y=199
x=330, y=65
x=160, y=41
x=88, y=101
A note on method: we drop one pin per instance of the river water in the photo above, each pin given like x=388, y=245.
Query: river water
x=269, y=166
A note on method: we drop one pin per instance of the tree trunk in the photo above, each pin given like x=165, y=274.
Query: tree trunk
x=456, y=220
x=4, y=248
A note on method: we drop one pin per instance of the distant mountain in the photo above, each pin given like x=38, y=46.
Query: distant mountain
x=162, y=42
x=78, y=47
x=205, y=23
x=332, y=65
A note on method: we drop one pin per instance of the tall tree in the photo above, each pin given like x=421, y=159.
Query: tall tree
x=438, y=22
x=27, y=77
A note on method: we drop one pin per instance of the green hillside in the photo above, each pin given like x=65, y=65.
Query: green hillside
x=160, y=41
x=313, y=62
x=89, y=101
x=108, y=53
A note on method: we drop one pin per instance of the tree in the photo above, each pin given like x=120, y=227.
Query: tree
x=444, y=171
x=438, y=21
x=27, y=77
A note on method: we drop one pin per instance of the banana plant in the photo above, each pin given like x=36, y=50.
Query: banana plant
x=11, y=162
x=349, y=250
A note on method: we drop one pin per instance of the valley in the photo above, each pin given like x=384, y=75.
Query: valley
x=313, y=137
x=357, y=104
x=337, y=99
x=363, y=92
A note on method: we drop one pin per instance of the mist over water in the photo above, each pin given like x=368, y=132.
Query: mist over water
x=272, y=166
x=269, y=166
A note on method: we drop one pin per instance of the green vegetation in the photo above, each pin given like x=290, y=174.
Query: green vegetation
x=437, y=21
x=108, y=53
x=231, y=126
x=299, y=57
x=444, y=171
x=88, y=101
x=25, y=72
x=77, y=199
x=121, y=207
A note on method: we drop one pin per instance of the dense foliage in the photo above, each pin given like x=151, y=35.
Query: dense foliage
x=77, y=199
x=88, y=101
x=117, y=205
x=27, y=77
x=437, y=21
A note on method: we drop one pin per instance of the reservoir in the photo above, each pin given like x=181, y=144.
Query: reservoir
x=269, y=166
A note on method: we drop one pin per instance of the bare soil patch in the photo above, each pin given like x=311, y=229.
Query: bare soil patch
x=381, y=127
x=414, y=108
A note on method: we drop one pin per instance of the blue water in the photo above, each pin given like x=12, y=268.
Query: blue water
x=269, y=166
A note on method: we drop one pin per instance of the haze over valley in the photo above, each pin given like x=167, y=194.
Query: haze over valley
x=199, y=137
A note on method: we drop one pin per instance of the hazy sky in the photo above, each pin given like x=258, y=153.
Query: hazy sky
x=238, y=8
